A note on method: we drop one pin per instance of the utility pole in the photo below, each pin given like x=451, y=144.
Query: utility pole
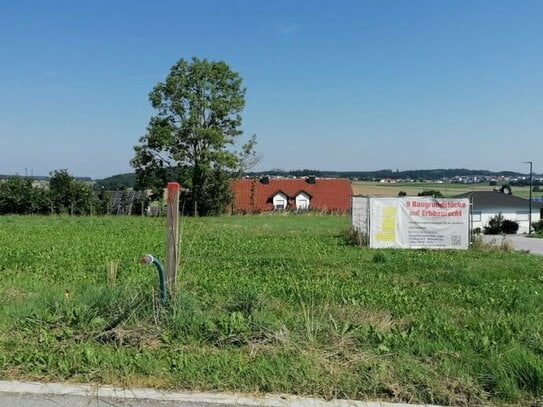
x=530, y=203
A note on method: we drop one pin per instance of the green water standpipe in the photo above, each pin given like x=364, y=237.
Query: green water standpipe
x=148, y=259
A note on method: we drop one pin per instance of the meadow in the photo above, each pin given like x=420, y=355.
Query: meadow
x=268, y=303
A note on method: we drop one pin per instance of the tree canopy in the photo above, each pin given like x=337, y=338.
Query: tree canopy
x=18, y=196
x=192, y=136
x=68, y=195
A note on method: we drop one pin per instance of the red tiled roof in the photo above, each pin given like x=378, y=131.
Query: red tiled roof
x=251, y=195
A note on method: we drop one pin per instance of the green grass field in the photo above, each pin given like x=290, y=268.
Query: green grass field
x=266, y=303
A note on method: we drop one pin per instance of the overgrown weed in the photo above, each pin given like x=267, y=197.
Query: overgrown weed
x=495, y=244
x=354, y=237
x=111, y=273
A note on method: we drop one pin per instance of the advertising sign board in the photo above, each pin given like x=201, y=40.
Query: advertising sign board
x=419, y=222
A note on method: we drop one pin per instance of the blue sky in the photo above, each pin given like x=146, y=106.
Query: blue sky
x=343, y=85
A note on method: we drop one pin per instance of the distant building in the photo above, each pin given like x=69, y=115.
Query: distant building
x=487, y=204
x=268, y=194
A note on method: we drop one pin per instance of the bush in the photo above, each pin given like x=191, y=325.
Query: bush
x=498, y=224
x=494, y=225
x=509, y=227
x=538, y=226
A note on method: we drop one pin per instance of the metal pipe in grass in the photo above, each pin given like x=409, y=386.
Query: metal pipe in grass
x=148, y=259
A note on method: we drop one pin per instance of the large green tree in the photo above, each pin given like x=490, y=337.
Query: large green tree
x=192, y=137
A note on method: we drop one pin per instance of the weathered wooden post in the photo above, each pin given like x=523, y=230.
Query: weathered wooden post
x=172, y=235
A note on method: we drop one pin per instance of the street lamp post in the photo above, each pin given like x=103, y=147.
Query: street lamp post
x=530, y=203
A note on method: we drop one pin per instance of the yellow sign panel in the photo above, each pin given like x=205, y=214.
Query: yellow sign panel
x=388, y=226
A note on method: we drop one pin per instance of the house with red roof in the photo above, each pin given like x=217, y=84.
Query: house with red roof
x=311, y=193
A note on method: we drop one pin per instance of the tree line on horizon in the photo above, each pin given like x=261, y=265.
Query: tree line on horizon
x=129, y=180
x=63, y=194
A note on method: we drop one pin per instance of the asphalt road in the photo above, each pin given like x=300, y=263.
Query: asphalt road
x=519, y=242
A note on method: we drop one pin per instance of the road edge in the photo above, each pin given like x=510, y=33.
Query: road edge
x=200, y=398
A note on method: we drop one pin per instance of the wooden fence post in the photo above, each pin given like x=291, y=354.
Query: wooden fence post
x=172, y=236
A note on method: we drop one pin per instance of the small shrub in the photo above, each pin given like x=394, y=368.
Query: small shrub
x=494, y=225
x=498, y=224
x=509, y=227
x=538, y=226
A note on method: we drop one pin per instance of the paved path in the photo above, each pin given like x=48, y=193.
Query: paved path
x=20, y=394
x=519, y=242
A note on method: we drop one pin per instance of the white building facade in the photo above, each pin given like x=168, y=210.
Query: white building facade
x=488, y=204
